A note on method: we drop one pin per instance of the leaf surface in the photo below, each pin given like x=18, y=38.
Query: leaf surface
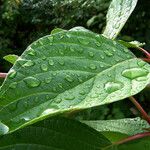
x=118, y=13
x=68, y=71
x=125, y=126
x=55, y=134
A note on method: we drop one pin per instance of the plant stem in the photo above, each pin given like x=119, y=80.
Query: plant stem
x=3, y=75
x=141, y=110
x=145, y=52
x=134, y=137
x=146, y=59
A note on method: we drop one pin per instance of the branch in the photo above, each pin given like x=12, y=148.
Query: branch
x=145, y=52
x=134, y=137
x=3, y=75
x=141, y=110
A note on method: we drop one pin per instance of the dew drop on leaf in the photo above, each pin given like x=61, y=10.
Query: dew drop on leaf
x=32, y=82
x=31, y=52
x=91, y=54
x=61, y=62
x=70, y=97
x=58, y=100
x=93, y=67
x=48, y=111
x=13, y=85
x=141, y=63
x=108, y=53
x=83, y=41
x=12, y=74
x=113, y=86
x=51, y=62
x=28, y=63
x=44, y=67
x=48, y=80
x=3, y=129
x=134, y=73
x=69, y=78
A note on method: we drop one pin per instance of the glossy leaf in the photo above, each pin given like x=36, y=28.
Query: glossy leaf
x=125, y=126
x=117, y=15
x=55, y=134
x=11, y=58
x=68, y=71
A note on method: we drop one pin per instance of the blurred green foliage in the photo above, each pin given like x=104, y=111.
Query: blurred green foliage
x=24, y=21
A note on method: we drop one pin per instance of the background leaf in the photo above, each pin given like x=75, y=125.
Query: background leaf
x=11, y=58
x=117, y=15
x=68, y=71
x=55, y=134
x=125, y=126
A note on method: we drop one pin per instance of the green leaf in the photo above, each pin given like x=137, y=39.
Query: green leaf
x=125, y=126
x=55, y=134
x=11, y=58
x=117, y=15
x=68, y=71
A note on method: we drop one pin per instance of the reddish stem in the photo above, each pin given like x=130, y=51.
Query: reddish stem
x=141, y=110
x=3, y=75
x=145, y=52
x=134, y=137
x=146, y=59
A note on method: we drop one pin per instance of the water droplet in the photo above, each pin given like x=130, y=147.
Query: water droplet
x=72, y=49
x=91, y=54
x=40, y=42
x=97, y=43
x=80, y=50
x=113, y=86
x=82, y=92
x=61, y=52
x=83, y=41
x=13, y=85
x=69, y=78
x=50, y=40
x=60, y=85
x=48, y=80
x=94, y=95
x=58, y=100
x=26, y=118
x=134, y=73
x=12, y=74
x=101, y=65
x=93, y=67
x=54, y=89
x=51, y=62
x=31, y=52
x=44, y=67
x=28, y=63
x=43, y=57
x=141, y=63
x=48, y=111
x=108, y=53
x=102, y=56
x=3, y=129
x=70, y=97
x=32, y=82
x=61, y=62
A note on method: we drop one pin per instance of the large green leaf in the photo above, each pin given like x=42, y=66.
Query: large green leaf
x=55, y=134
x=117, y=15
x=68, y=71
x=125, y=126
